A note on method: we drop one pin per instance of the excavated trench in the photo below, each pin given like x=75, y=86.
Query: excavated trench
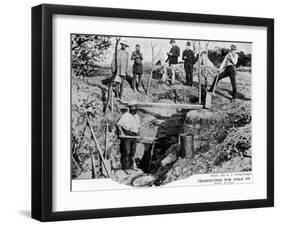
x=165, y=164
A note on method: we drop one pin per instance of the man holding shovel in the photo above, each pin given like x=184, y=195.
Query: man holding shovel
x=128, y=129
x=228, y=69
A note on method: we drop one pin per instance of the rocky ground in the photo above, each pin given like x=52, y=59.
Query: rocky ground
x=224, y=130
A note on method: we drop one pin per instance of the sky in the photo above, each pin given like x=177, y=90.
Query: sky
x=164, y=46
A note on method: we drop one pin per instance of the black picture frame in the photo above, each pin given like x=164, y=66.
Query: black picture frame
x=42, y=111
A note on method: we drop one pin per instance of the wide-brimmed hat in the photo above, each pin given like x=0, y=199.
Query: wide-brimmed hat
x=233, y=47
x=172, y=41
x=132, y=103
x=124, y=42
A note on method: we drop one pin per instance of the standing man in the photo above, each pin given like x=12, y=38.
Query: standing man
x=228, y=69
x=137, y=57
x=121, y=68
x=128, y=127
x=173, y=56
x=189, y=60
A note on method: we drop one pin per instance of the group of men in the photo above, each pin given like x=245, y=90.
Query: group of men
x=227, y=67
x=121, y=69
x=189, y=58
x=121, y=65
x=129, y=124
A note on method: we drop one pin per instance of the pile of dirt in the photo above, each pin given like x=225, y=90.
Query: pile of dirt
x=224, y=141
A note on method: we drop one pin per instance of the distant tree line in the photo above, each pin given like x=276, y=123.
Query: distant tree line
x=217, y=56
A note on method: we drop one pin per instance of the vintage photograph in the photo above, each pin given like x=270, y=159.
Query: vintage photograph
x=150, y=111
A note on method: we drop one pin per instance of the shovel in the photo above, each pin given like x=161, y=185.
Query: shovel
x=208, y=100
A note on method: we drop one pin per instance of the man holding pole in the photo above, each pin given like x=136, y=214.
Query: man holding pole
x=189, y=59
x=121, y=67
x=228, y=69
x=128, y=129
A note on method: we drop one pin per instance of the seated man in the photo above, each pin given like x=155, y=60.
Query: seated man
x=128, y=129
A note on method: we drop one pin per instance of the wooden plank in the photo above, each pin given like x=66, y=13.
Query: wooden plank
x=168, y=105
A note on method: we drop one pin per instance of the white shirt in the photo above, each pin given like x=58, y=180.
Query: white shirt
x=129, y=122
x=229, y=60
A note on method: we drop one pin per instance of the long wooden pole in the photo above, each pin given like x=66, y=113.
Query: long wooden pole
x=206, y=69
x=152, y=68
x=113, y=76
x=106, y=140
x=199, y=74
x=112, y=100
x=94, y=173
x=98, y=148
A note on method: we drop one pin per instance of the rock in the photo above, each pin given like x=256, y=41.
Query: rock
x=177, y=171
x=143, y=181
x=125, y=177
x=172, y=155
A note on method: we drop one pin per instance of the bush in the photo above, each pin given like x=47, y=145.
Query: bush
x=217, y=56
x=86, y=50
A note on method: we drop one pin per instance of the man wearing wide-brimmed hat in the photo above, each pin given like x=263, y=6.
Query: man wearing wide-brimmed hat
x=128, y=129
x=228, y=69
x=121, y=67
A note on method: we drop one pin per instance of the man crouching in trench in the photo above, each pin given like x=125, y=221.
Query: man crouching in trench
x=128, y=128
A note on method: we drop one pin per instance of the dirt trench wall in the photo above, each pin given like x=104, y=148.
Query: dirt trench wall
x=212, y=125
x=215, y=128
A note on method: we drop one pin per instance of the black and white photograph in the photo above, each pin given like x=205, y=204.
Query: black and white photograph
x=142, y=112
x=148, y=112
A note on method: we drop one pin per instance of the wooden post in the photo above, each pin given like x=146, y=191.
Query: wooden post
x=94, y=173
x=112, y=101
x=107, y=160
x=151, y=154
x=106, y=138
x=199, y=73
x=206, y=69
x=152, y=68
x=113, y=76
x=186, y=144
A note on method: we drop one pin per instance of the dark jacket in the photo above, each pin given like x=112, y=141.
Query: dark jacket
x=173, y=55
x=188, y=57
x=137, y=57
